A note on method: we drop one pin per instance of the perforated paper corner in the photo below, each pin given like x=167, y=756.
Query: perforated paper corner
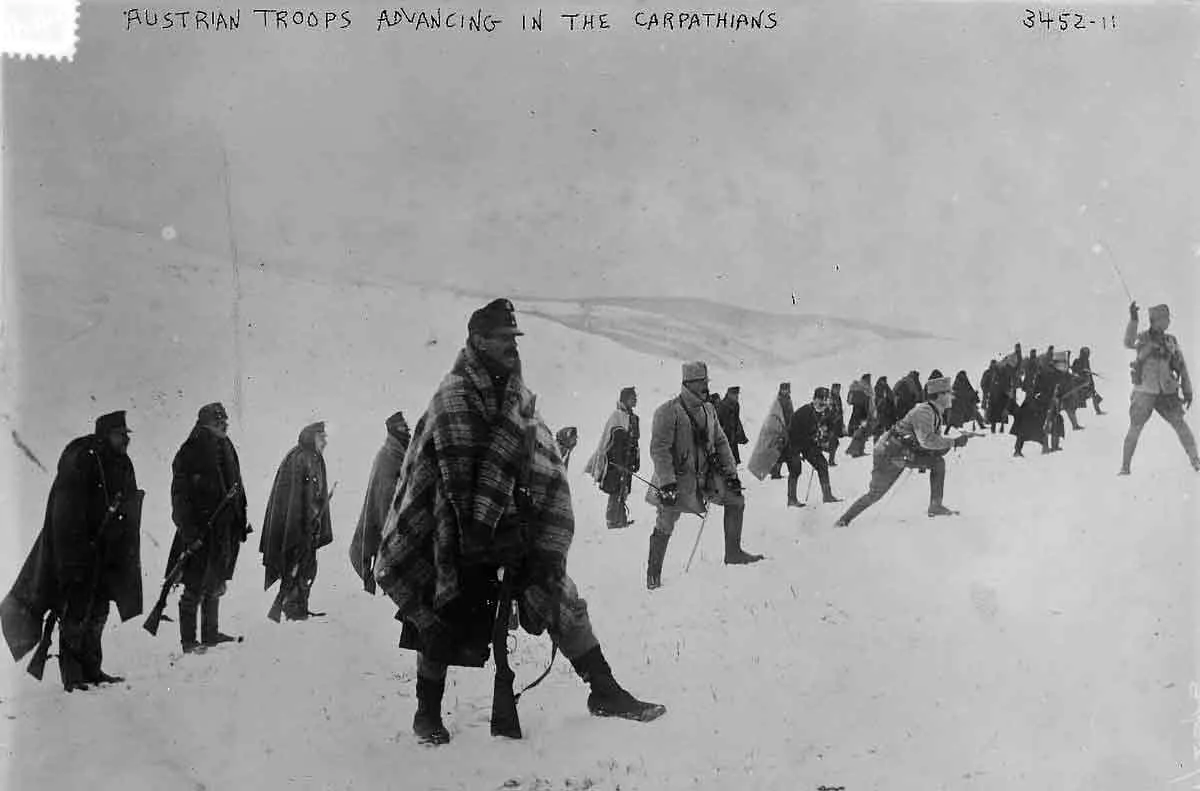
x=38, y=28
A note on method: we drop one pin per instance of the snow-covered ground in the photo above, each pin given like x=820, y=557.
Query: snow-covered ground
x=1041, y=640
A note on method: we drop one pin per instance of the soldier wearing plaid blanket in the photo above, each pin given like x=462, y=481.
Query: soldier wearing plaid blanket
x=454, y=522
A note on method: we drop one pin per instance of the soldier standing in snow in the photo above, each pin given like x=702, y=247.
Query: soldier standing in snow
x=807, y=436
x=729, y=413
x=770, y=448
x=381, y=485
x=693, y=467
x=297, y=522
x=885, y=408
x=836, y=422
x=1085, y=379
x=1159, y=376
x=616, y=458
x=861, y=398
x=87, y=554
x=204, y=472
x=915, y=441
x=471, y=502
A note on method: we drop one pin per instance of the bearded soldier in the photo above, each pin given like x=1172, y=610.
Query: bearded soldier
x=915, y=441
x=693, y=467
x=87, y=555
x=1160, y=376
x=479, y=514
x=205, y=473
x=385, y=471
x=617, y=457
x=297, y=522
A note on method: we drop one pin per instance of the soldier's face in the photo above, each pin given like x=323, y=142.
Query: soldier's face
x=697, y=387
x=320, y=441
x=119, y=441
x=501, y=350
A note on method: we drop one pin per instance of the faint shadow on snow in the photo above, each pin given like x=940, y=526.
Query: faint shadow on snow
x=726, y=336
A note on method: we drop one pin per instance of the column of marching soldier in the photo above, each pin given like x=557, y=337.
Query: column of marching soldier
x=481, y=480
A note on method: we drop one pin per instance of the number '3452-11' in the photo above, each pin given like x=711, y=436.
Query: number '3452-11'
x=1067, y=20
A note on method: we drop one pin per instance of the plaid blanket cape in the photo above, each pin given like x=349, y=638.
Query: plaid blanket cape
x=455, y=486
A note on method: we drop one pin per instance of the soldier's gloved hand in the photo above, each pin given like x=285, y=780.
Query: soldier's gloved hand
x=961, y=441
x=1133, y=311
x=668, y=495
x=734, y=484
x=1187, y=400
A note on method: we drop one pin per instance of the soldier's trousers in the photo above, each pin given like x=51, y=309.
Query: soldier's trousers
x=1142, y=406
x=617, y=513
x=295, y=600
x=563, y=612
x=884, y=473
x=79, y=631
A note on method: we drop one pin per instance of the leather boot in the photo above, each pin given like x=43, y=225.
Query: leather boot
x=427, y=722
x=188, y=604
x=209, y=616
x=793, y=499
x=654, y=563
x=608, y=698
x=734, y=554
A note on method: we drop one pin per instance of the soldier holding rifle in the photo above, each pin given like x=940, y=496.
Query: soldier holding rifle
x=208, y=506
x=87, y=555
x=482, y=513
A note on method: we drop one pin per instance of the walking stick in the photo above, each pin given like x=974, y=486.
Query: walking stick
x=808, y=490
x=699, y=533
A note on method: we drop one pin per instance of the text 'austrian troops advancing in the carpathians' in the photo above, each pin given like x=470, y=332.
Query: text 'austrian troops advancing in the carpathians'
x=438, y=18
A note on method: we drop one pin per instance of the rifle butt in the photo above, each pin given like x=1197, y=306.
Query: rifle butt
x=153, y=619
x=276, y=610
x=37, y=665
x=505, y=720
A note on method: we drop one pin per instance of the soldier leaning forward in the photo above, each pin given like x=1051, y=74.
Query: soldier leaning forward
x=208, y=506
x=297, y=522
x=87, y=554
x=915, y=441
x=471, y=501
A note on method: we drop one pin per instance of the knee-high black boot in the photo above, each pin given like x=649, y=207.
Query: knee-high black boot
x=210, y=633
x=654, y=563
x=427, y=722
x=189, y=602
x=608, y=698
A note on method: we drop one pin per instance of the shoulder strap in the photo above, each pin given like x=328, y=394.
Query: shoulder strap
x=697, y=432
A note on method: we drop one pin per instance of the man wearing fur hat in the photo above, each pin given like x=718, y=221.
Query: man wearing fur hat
x=729, y=414
x=204, y=472
x=693, y=467
x=616, y=458
x=478, y=513
x=381, y=485
x=297, y=522
x=1159, y=376
x=915, y=441
x=87, y=554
